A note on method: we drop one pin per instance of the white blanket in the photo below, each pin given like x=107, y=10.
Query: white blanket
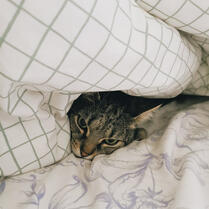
x=170, y=169
x=53, y=50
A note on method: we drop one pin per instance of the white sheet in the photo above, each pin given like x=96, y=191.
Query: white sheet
x=53, y=50
x=170, y=169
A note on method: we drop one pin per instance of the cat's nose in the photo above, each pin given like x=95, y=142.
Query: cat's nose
x=84, y=154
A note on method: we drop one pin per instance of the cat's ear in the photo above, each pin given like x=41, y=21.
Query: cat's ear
x=143, y=117
x=92, y=96
x=136, y=123
x=139, y=134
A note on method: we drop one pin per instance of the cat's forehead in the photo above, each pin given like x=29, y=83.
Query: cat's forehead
x=99, y=107
x=97, y=111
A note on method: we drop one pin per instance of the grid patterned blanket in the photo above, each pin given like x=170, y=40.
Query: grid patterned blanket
x=53, y=50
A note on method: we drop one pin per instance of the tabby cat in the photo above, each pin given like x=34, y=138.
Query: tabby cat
x=103, y=122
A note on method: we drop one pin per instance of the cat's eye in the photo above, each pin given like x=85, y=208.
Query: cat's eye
x=111, y=141
x=81, y=122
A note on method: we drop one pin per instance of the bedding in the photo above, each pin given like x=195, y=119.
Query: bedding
x=53, y=50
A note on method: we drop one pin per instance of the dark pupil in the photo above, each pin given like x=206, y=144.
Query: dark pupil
x=82, y=123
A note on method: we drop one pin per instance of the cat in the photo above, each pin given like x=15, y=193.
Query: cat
x=102, y=122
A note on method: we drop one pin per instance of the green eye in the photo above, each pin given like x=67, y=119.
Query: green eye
x=81, y=122
x=111, y=141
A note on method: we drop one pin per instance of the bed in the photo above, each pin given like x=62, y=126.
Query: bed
x=52, y=51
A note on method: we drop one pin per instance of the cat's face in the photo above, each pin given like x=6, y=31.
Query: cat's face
x=100, y=127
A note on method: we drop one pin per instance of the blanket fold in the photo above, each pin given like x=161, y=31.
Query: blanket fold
x=52, y=51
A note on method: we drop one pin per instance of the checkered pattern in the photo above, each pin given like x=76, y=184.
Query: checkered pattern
x=52, y=50
x=191, y=16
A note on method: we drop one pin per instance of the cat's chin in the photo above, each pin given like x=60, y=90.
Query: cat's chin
x=90, y=157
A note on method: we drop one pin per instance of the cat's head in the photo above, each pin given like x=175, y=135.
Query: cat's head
x=100, y=126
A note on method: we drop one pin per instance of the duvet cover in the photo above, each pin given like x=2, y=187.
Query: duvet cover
x=52, y=51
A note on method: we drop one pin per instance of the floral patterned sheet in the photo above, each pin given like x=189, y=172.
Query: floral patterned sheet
x=170, y=169
x=53, y=50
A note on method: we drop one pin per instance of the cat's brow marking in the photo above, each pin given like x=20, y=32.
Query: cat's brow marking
x=76, y=122
x=88, y=132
